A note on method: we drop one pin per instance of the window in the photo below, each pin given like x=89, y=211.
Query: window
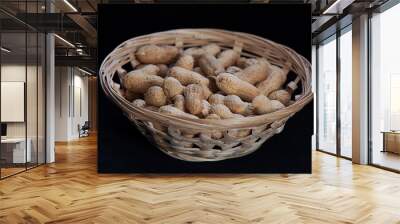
x=346, y=93
x=327, y=96
x=385, y=89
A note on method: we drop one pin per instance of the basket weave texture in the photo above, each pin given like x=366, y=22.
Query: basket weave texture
x=188, y=139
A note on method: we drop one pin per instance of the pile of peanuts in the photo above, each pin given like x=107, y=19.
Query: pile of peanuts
x=205, y=82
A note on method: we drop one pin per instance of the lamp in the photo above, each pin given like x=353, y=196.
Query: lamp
x=84, y=71
x=70, y=5
x=5, y=50
x=337, y=7
x=64, y=40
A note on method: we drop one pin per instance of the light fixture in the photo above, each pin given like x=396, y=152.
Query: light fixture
x=64, y=40
x=84, y=71
x=329, y=9
x=70, y=5
x=5, y=50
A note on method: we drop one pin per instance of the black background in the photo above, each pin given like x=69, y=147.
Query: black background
x=122, y=148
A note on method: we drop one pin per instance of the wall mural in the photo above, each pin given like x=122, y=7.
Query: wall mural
x=203, y=97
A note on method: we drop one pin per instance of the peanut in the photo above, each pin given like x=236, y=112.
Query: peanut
x=153, y=54
x=232, y=85
x=228, y=58
x=130, y=96
x=172, y=87
x=263, y=105
x=142, y=103
x=179, y=102
x=133, y=60
x=255, y=73
x=246, y=62
x=185, y=61
x=277, y=105
x=206, y=108
x=274, y=81
x=163, y=70
x=186, y=77
x=198, y=70
x=168, y=109
x=193, y=98
x=138, y=81
x=149, y=69
x=216, y=99
x=281, y=95
x=210, y=65
x=155, y=96
x=207, y=49
x=233, y=69
x=139, y=103
x=206, y=92
x=213, y=49
x=236, y=105
x=222, y=111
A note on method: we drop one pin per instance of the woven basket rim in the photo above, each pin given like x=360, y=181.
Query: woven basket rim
x=204, y=124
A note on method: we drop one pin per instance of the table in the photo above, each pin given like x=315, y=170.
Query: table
x=391, y=141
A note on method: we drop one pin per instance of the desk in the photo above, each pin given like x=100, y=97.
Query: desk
x=13, y=150
x=391, y=141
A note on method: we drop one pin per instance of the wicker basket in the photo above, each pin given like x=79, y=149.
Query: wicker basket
x=170, y=133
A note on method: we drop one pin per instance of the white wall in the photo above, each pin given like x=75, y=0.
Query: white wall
x=15, y=72
x=71, y=102
x=33, y=126
x=62, y=81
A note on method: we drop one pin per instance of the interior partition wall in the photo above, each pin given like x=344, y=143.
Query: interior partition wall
x=23, y=87
x=334, y=94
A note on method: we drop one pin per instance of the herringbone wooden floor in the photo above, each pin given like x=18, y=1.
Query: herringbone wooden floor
x=71, y=191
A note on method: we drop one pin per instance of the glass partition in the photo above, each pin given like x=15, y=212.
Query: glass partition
x=22, y=77
x=14, y=144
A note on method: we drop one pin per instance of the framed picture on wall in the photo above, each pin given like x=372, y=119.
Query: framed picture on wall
x=12, y=101
x=204, y=91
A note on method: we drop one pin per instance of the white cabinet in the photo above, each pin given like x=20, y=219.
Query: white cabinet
x=17, y=147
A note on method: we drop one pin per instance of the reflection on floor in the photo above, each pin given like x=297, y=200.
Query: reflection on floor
x=10, y=169
x=386, y=159
x=71, y=191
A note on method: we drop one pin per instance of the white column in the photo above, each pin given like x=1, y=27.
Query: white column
x=50, y=98
x=314, y=86
x=50, y=92
x=360, y=90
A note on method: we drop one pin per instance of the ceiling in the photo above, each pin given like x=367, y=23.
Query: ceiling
x=75, y=20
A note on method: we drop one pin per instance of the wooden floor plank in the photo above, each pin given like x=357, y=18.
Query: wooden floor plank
x=71, y=191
